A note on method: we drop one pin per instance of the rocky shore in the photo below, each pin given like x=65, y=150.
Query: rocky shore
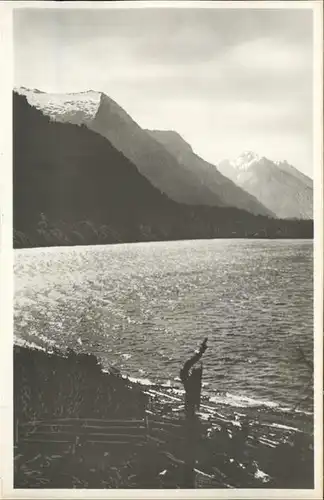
x=79, y=427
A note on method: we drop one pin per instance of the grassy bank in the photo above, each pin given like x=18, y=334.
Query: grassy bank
x=76, y=426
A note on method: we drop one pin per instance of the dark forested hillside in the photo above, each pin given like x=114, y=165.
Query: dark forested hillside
x=181, y=175
x=71, y=186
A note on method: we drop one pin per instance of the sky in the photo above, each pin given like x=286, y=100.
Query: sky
x=227, y=80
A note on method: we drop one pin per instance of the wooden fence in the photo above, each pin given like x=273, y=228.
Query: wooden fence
x=77, y=430
x=176, y=433
x=69, y=435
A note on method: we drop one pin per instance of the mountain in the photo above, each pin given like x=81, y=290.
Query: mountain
x=277, y=185
x=78, y=108
x=183, y=176
x=104, y=116
x=228, y=192
x=72, y=187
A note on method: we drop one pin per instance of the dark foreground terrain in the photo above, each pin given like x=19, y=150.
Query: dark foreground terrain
x=78, y=427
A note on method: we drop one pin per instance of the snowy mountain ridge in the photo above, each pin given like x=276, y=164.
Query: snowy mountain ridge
x=279, y=186
x=250, y=182
x=77, y=107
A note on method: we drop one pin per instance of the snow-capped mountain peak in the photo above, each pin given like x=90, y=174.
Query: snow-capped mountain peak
x=77, y=107
x=245, y=160
x=279, y=186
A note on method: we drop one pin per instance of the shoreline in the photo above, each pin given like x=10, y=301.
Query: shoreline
x=48, y=245
x=114, y=244
x=239, y=447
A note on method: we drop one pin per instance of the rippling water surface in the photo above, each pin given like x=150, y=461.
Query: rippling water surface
x=144, y=307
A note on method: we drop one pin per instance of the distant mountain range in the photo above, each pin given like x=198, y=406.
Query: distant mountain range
x=72, y=186
x=277, y=185
x=227, y=191
x=183, y=177
x=250, y=182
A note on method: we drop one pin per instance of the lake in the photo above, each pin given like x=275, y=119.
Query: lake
x=144, y=307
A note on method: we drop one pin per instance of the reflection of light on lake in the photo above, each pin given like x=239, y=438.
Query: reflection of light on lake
x=152, y=303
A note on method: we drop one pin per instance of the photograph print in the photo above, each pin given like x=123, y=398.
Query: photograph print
x=163, y=167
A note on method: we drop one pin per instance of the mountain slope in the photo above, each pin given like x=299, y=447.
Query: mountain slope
x=150, y=157
x=70, y=175
x=188, y=180
x=104, y=116
x=72, y=187
x=224, y=188
x=78, y=108
x=277, y=185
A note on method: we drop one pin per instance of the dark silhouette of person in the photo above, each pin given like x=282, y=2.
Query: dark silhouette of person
x=191, y=377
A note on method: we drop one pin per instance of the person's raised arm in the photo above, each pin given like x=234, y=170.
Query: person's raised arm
x=184, y=372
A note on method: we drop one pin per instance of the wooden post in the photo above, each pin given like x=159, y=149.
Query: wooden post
x=191, y=377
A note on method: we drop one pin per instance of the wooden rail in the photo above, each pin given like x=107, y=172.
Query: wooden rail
x=83, y=430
